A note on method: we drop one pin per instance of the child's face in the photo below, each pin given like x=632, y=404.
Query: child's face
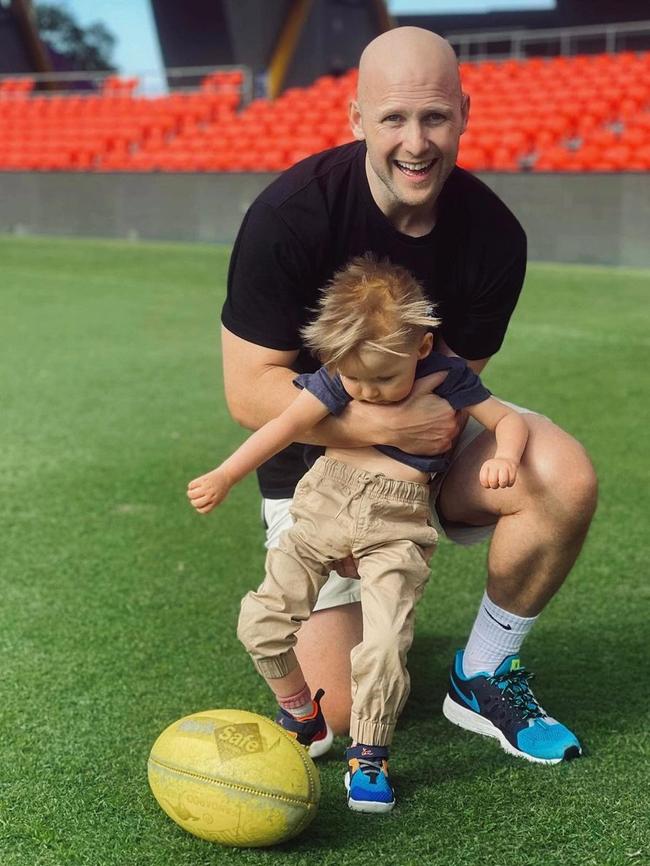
x=379, y=377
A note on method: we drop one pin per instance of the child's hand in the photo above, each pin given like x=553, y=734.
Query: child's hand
x=208, y=491
x=498, y=472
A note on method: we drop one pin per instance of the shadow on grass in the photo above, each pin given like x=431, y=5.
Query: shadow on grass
x=585, y=673
x=583, y=678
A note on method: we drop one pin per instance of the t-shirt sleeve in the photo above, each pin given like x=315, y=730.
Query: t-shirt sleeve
x=495, y=268
x=328, y=389
x=269, y=275
x=462, y=387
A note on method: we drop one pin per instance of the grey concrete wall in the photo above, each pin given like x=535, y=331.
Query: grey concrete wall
x=601, y=219
x=181, y=207
x=588, y=218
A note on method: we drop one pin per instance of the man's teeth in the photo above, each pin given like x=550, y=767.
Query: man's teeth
x=414, y=166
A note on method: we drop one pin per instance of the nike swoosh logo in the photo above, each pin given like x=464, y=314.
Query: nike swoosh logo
x=506, y=627
x=473, y=703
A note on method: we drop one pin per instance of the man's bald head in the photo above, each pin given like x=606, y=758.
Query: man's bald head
x=407, y=55
x=411, y=113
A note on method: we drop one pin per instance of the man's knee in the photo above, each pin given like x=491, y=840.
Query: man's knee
x=556, y=480
x=324, y=645
x=561, y=471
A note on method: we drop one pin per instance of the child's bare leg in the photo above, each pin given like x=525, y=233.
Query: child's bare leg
x=287, y=687
x=300, y=714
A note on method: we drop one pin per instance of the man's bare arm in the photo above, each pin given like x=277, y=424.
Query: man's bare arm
x=258, y=386
x=257, y=381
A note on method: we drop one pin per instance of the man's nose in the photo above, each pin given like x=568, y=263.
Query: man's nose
x=414, y=138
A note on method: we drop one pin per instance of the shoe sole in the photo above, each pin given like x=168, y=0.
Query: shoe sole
x=369, y=806
x=471, y=721
x=320, y=747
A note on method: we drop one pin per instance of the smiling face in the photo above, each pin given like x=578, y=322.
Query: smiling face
x=411, y=113
x=373, y=376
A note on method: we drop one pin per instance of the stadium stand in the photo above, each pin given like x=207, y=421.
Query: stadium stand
x=580, y=113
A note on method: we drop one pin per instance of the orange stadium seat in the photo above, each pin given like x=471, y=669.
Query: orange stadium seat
x=521, y=119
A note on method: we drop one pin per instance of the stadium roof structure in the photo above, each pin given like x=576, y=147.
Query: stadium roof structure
x=287, y=43
x=21, y=48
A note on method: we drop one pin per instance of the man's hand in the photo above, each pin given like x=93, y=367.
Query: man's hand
x=422, y=424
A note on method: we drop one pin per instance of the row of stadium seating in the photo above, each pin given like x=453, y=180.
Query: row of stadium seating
x=581, y=113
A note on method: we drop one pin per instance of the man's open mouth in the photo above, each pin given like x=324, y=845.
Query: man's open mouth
x=414, y=169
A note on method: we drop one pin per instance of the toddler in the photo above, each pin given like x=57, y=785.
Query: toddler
x=374, y=335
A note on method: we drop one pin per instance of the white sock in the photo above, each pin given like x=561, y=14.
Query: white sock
x=496, y=633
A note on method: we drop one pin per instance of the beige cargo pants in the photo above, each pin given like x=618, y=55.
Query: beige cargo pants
x=385, y=524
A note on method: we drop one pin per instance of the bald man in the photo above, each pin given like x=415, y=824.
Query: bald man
x=396, y=191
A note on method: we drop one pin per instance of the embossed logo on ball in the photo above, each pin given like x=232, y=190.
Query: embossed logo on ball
x=238, y=740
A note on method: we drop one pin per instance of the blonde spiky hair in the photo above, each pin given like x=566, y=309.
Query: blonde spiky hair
x=369, y=304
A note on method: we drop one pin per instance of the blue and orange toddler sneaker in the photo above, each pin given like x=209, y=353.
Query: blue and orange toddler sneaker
x=367, y=783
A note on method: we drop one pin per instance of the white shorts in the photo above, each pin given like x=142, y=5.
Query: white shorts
x=346, y=590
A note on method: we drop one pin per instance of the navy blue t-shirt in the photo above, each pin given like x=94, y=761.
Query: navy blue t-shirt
x=461, y=388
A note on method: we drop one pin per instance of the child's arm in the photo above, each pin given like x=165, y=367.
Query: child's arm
x=511, y=433
x=211, y=489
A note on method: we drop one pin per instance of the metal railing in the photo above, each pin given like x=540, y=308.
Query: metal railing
x=149, y=82
x=521, y=43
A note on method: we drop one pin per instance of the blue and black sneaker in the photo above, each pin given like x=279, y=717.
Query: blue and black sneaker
x=311, y=731
x=502, y=705
x=367, y=783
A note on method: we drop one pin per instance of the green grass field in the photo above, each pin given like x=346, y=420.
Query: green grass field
x=119, y=603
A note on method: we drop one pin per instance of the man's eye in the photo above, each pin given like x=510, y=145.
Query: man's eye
x=435, y=117
x=392, y=118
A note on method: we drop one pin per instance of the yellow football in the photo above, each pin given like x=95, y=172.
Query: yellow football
x=235, y=778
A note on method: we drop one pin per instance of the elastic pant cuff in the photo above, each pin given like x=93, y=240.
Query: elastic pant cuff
x=371, y=733
x=277, y=666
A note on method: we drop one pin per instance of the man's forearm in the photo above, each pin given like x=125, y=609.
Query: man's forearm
x=272, y=392
x=259, y=386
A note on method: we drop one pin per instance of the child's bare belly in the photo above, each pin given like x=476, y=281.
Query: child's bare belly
x=374, y=461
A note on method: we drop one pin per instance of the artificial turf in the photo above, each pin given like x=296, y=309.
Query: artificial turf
x=119, y=603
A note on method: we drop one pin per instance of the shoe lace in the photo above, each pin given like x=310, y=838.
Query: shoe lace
x=515, y=688
x=372, y=769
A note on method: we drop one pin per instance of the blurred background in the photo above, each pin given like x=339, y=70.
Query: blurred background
x=156, y=119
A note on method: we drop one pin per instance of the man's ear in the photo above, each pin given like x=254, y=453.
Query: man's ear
x=464, y=111
x=425, y=346
x=356, y=125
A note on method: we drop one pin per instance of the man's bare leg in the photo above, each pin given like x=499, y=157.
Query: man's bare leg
x=542, y=523
x=323, y=649
x=542, y=520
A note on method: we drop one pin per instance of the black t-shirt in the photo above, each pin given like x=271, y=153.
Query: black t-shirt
x=320, y=213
